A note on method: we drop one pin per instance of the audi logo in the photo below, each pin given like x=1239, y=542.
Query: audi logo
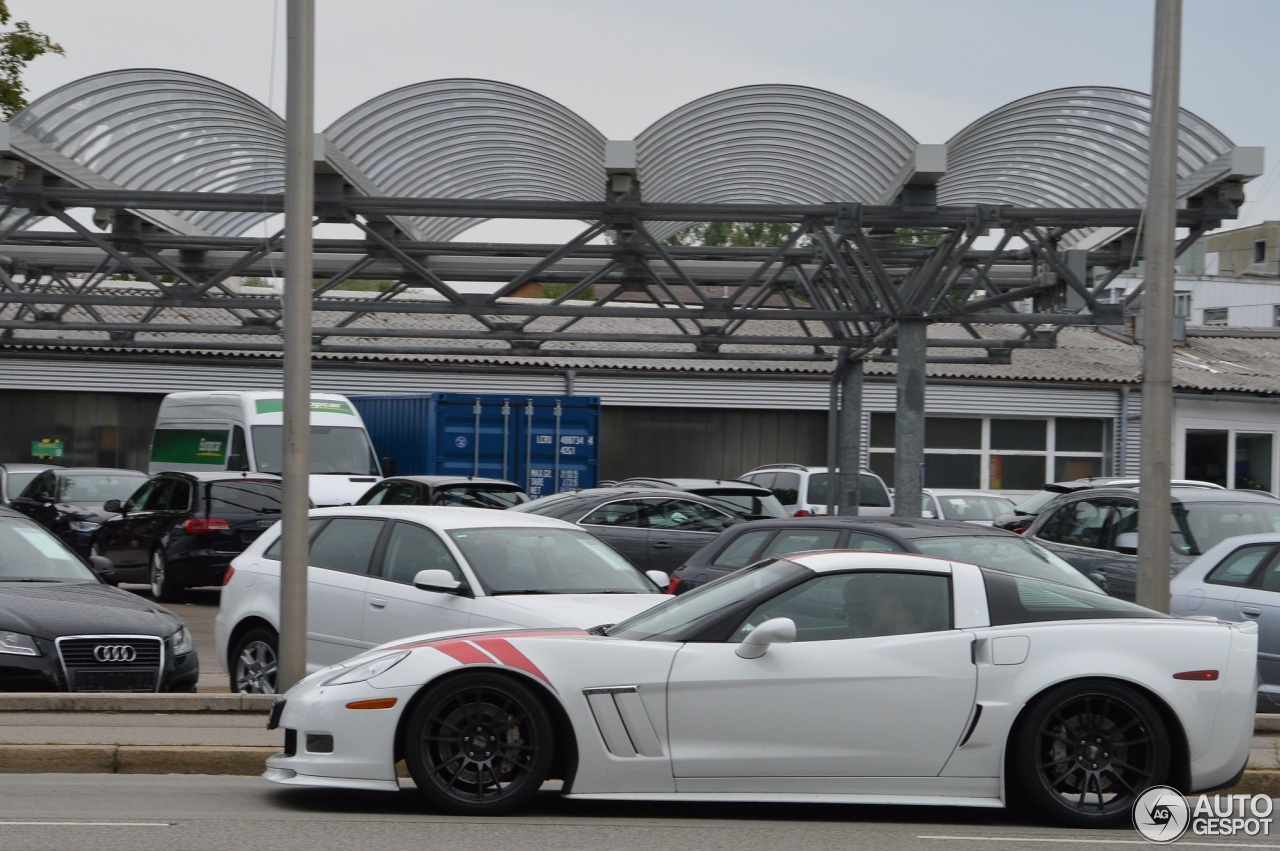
x=115, y=653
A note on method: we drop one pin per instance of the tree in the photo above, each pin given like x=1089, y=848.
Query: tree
x=18, y=47
x=734, y=234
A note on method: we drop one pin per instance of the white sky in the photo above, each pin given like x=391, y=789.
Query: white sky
x=932, y=66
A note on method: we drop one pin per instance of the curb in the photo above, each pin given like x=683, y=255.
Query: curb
x=132, y=759
x=114, y=702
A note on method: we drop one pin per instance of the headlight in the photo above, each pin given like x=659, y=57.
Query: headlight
x=367, y=670
x=17, y=644
x=182, y=641
x=83, y=525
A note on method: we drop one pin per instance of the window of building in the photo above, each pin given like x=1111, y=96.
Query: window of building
x=1275, y=315
x=1260, y=251
x=1215, y=316
x=997, y=453
x=1182, y=305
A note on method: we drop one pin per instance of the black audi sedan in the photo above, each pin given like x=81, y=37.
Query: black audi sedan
x=954, y=540
x=63, y=628
x=181, y=530
x=69, y=501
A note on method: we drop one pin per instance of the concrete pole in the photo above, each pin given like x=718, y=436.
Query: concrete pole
x=1157, y=314
x=299, y=208
x=850, y=449
x=908, y=461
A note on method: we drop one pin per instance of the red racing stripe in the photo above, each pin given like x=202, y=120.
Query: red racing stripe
x=463, y=651
x=504, y=652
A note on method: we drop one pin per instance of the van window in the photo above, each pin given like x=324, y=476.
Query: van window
x=334, y=449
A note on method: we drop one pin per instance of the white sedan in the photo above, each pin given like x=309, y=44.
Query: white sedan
x=381, y=572
x=838, y=676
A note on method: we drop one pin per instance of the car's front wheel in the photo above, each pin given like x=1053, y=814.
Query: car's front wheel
x=479, y=744
x=163, y=587
x=255, y=662
x=1086, y=751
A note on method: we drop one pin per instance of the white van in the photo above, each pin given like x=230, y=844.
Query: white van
x=243, y=430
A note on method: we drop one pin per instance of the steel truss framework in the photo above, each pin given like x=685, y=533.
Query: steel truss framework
x=845, y=278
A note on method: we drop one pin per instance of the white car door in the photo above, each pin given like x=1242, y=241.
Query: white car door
x=336, y=581
x=841, y=701
x=394, y=608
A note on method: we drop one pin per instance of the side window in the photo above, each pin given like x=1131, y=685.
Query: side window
x=41, y=486
x=786, y=487
x=145, y=494
x=872, y=492
x=157, y=497
x=276, y=550
x=875, y=543
x=1238, y=568
x=1124, y=519
x=625, y=512
x=238, y=457
x=179, y=496
x=800, y=540
x=742, y=550
x=686, y=516
x=395, y=493
x=346, y=544
x=411, y=548
x=1078, y=523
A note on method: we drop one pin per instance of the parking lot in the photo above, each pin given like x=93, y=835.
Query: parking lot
x=198, y=608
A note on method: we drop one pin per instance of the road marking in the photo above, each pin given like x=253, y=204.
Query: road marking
x=1144, y=842
x=7, y=823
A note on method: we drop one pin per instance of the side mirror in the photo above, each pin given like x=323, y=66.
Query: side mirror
x=105, y=570
x=772, y=631
x=113, y=506
x=659, y=577
x=1127, y=542
x=388, y=467
x=1100, y=579
x=439, y=580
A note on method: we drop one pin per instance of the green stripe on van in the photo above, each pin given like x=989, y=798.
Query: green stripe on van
x=190, y=446
x=322, y=406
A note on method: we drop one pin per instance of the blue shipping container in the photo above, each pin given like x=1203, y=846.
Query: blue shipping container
x=545, y=444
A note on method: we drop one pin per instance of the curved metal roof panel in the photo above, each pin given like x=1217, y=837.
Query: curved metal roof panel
x=472, y=139
x=152, y=129
x=1071, y=147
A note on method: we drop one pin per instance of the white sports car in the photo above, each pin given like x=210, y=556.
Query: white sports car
x=850, y=677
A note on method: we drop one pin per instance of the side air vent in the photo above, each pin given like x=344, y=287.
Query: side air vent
x=623, y=723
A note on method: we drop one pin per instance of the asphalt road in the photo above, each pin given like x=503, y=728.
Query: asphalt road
x=178, y=812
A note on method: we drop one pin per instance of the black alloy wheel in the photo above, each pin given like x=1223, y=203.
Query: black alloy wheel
x=1086, y=751
x=479, y=744
x=255, y=662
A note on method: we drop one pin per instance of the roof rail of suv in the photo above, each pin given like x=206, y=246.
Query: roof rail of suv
x=783, y=465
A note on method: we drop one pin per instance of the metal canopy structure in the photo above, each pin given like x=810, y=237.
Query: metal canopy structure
x=1023, y=219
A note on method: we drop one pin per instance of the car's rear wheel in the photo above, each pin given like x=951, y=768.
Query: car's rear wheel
x=479, y=744
x=255, y=662
x=163, y=588
x=1086, y=751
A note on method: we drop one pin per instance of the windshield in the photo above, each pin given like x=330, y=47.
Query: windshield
x=674, y=617
x=96, y=488
x=29, y=553
x=1037, y=501
x=972, y=506
x=749, y=504
x=1197, y=526
x=480, y=496
x=343, y=450
x=525, y=560
x=1007, y=553
x=871, y=493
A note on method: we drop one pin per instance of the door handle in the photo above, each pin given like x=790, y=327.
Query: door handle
x=1250, y=611
x=662, y=545
x=378, y=602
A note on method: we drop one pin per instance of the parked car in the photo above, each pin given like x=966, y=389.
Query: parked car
x=1022, y=515
x=749, y=500
x=469, y=491
x=786, y=681
x=654, y=529
x=63, y=628
x=1096, y=530
x=181, y=530
x=15, y=476
x=379, y=573
x=744, y=544
x=69, y=501
x=1239, y=580
x=805, y=490
x=971, y=506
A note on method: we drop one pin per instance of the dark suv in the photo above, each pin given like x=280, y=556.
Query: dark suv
x=753, y=502
x=1020, y=518
x=181, y=530
x=1096, y=530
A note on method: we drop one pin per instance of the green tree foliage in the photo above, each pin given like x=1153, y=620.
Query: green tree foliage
x=18, y=47
x=733, y=234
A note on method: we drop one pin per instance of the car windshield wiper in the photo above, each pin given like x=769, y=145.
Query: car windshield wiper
x=526, y=591
x=27, y=579
x=602, y=629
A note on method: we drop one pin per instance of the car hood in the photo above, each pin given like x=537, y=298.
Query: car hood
x=83, y=511
x=46, y=610
x=338, y=489
x=577, y=610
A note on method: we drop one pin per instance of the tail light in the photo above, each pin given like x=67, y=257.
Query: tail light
x=226, y=577
x=673, y=585
x=802, y=512
x=205, y=526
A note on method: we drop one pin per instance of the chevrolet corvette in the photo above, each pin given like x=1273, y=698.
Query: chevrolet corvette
x=838, y=676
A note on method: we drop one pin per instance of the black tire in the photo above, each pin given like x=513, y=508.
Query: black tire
x=255, y=662
x=1086, y=751
x=163, y=588
x=479, y=744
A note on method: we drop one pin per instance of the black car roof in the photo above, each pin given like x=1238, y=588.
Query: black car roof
x=1180, y=495
x=905, y=527
x=452, y=480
